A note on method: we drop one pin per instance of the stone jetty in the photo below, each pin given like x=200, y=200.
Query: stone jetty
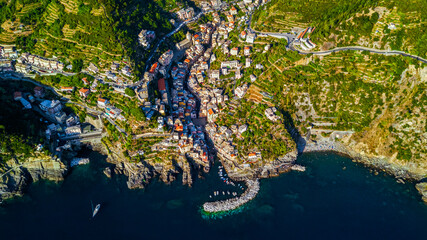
x=233, y=203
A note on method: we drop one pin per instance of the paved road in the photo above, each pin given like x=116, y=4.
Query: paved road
x=147, y=135
x=94, y=134
x=153, y=51
x=291, y=37
x=114, y=123
x=14, y=77
x=85, y=107
x=372, y=50
x=330, y=131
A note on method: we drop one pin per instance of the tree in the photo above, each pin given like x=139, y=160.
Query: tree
x=77, y=65
x=130, y=92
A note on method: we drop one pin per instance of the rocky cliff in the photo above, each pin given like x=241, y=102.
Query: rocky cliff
x=141, y=172
x=266, y=170
x=15, y=176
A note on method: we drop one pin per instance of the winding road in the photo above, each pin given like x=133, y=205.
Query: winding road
x=372, y=50
x=291, y=38
x=153, y=51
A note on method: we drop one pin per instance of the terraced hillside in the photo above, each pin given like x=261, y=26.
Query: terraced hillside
x=381, y=99
x=381, y=24
x=97, y=31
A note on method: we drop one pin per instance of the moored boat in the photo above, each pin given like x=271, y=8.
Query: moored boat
x=96, y=210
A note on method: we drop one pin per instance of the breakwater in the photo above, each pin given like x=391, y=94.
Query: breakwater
x=233, y=203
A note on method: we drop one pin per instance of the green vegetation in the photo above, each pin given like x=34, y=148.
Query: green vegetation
x=271, y=138
x=350, y=90
x=354, y=22
x=58, y=81
x=130, y=92
x=20, y=130
x=90, y=30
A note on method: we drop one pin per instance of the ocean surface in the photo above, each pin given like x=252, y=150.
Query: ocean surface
x=334, y=199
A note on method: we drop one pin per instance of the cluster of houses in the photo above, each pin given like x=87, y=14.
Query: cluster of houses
x=211, y=5
x=161, y=69
x=240, y=91
x=250, y=5
x=27, y=61
x=222, y=138
x=185, y=14
x=270, y=113
x=109, y=110
x=245, y=5
x=116, y=74
x=146, y=37
x=191, y=137
x=6, y=65
x=53, y=110
x=249, y=37
x=8, y=52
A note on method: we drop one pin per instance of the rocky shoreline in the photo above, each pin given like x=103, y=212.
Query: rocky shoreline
x=376, y=162
x=15, y=176
x=139, y=174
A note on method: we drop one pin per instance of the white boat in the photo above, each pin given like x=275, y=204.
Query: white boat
x=96, y=210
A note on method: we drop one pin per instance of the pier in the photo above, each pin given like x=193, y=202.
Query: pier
x=233, y=203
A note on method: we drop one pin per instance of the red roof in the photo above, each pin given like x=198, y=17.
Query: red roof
x=161, y=84
x=84, y=90
x=210, y=111
x=302, y=34
x=153, y=67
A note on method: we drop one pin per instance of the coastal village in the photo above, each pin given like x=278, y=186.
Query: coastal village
x=187, y=95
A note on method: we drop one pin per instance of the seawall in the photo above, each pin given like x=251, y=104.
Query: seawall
x=233, y=203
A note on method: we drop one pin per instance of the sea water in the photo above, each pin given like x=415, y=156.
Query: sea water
x=334, y=198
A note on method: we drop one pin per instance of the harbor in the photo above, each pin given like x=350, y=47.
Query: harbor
x=252, y=188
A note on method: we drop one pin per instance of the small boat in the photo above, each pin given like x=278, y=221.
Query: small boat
x=96, y=210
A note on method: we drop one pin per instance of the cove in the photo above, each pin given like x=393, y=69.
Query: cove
x=334, y=198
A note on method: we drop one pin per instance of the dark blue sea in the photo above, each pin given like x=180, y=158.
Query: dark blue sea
x=334, y=199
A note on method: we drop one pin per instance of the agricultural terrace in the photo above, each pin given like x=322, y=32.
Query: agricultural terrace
x=382, y=24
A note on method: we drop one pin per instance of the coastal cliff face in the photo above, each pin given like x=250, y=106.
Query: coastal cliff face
x=398, y=135
x=272, y=169
x=16, y=176
x=422, y=188
x=140, y=173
